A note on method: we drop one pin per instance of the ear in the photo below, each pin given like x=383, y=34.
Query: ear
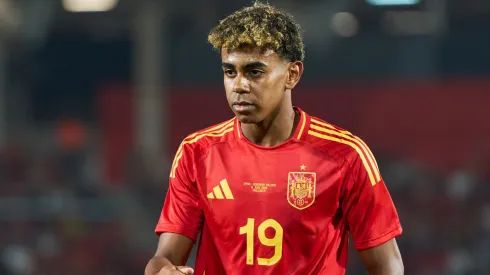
x=295, y=70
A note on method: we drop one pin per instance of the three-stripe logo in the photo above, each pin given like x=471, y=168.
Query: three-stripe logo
x=221, y=191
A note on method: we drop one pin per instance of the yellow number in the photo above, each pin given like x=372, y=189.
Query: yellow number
x=249, y=230
x=275, y=241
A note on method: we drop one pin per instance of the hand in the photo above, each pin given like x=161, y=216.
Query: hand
x=176, y=270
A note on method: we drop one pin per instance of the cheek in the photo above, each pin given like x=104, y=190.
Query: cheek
x=278, y=79
x=228, y=87
x=275, y=87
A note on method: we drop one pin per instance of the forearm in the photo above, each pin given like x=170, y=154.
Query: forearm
x=386, y=272
x=384, y=259
x=156, y=264
x=173, y=250
x=395, y=268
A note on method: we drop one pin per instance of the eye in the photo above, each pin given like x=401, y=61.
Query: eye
x=230, y=73
x=256, y=73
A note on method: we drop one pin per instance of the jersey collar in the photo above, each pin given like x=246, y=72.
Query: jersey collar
x=300, y=132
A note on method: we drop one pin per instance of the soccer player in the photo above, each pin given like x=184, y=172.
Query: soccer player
x=272, y=190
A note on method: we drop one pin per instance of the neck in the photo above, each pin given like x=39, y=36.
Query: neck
x=275, y=129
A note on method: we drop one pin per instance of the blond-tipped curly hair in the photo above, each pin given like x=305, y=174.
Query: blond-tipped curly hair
x=260, y=25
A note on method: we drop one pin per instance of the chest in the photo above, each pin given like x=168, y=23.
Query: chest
x=289, y=185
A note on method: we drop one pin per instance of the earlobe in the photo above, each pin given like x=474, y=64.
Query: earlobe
x=290, y=83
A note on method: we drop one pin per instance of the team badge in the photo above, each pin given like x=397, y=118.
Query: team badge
x=301, y=189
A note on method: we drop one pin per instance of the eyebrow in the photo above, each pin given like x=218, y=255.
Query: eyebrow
x=256, y=64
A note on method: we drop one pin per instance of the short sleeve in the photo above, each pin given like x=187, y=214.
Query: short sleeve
x=371, y=215
x=181, y=212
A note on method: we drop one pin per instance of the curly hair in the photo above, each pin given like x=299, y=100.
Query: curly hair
x=260, y=25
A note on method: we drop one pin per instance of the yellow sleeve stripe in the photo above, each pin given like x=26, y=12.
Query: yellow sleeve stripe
x=358, y=150
x=219, y=126
x=303, y=117
x=217, y=133
x=358, y=141
x=370, y=154
x=179, y=150
x=355, y=147
x=348, y=135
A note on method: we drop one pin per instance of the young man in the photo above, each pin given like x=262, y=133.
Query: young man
x=273, y=190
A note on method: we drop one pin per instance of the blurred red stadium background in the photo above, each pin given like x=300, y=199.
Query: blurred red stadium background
x=426, y=122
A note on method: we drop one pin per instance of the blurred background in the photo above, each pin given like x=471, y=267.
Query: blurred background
x=95, y=96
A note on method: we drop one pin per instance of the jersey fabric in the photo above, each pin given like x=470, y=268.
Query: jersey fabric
x=286, y=209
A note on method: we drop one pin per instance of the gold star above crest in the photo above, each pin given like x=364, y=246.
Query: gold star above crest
x=303, y=167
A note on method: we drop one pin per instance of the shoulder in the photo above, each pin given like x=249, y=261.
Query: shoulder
x=195, y=145
x=335, y=140
x=343, y=145
x=216, y=133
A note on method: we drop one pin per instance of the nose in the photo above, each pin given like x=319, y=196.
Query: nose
x=241, y=85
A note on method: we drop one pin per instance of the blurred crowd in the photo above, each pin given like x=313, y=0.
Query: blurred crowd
x=59, y=215
x=56, y=220
x=446, y=218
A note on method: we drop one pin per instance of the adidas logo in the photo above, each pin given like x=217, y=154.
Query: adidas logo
x=220, y=195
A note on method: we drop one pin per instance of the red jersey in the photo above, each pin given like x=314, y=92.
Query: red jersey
x=286, y=209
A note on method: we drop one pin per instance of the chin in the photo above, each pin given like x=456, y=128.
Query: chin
x=247, y=118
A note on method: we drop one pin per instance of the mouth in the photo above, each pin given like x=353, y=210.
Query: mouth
x=243, y=106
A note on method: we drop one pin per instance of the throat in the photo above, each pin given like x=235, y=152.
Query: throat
x=272, y=131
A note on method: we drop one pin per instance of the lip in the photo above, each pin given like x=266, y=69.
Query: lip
x=242, y=103
x=243, y=106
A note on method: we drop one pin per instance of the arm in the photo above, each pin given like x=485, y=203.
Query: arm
x=371, y=215
x=384, y=259
x=173, y=250
x=180, y=221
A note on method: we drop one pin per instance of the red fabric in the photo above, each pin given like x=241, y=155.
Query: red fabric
x=437, y=123
x=299, y=199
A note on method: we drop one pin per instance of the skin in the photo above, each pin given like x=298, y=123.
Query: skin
x=263, y=80
x=173, y=250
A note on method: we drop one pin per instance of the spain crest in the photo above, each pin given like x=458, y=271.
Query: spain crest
x=301, y=189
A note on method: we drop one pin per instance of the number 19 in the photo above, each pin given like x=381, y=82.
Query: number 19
x=275, y=241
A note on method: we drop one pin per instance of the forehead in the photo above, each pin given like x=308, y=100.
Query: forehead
x=246, y=54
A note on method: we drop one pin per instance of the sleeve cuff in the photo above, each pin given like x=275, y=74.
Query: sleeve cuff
x=177, y=229
x=362, y=245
